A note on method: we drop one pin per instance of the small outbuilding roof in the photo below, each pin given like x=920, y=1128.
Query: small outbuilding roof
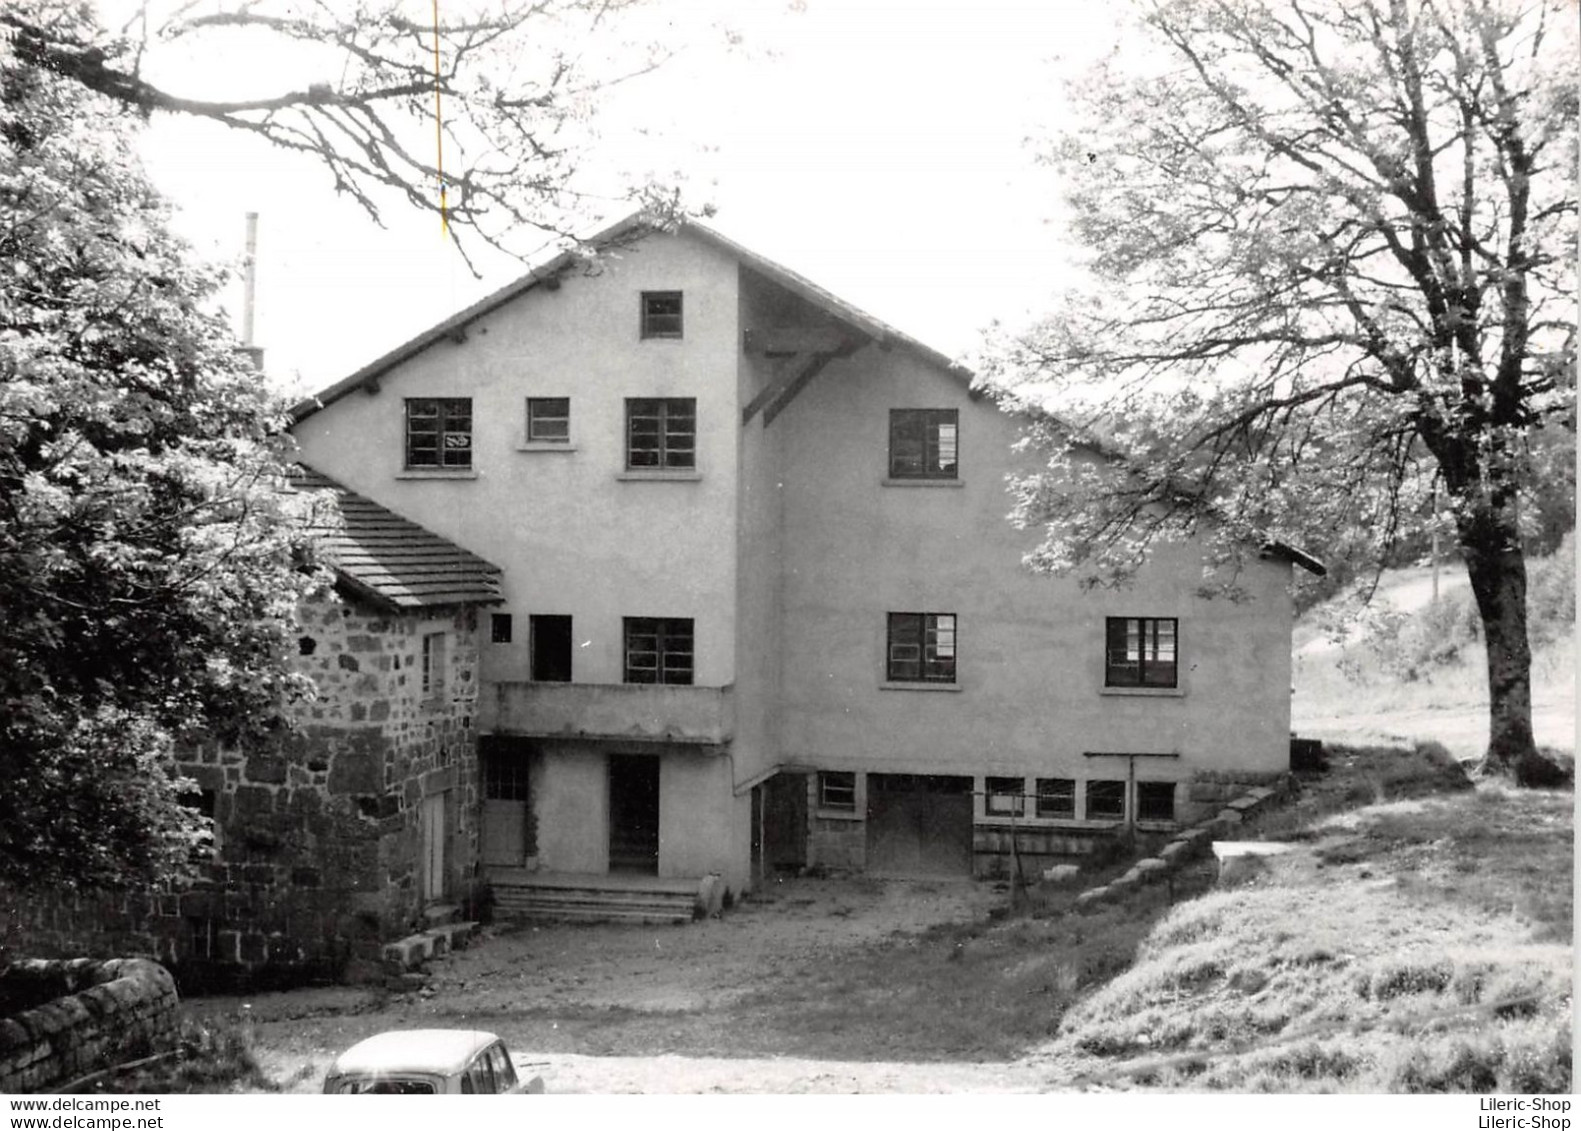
x=392, y=560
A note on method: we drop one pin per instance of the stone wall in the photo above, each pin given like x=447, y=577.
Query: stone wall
x=94, y=1014
x=318, y=834
x=1210, y=791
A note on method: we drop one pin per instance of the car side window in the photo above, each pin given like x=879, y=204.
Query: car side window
x=504, y=1070
x=481, y=1076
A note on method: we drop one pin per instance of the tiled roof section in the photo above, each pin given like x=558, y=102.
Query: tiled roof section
x=391, y=559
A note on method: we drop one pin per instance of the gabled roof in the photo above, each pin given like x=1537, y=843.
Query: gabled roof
x=633, y=227
x=391, y=560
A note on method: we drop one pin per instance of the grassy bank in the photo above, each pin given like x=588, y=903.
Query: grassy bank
x=1417, y=941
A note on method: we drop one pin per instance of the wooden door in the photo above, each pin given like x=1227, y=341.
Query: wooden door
x=434, y=873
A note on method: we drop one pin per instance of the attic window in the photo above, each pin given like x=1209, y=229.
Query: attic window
x=548, y=420
x=661, y=314
x=923, y=443
x=439, y=432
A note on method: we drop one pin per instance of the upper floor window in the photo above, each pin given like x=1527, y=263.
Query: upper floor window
x=439, y=432
x=1056, y=797
x=661, y=314
x=923, y=443
x=548, y=420
x=921, y=647
x=500, y=628
x=658, y=650
x=433, y=665
x=661, y=433
x=1140, y=652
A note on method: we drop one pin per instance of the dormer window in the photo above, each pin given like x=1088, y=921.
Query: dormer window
x=661, y=314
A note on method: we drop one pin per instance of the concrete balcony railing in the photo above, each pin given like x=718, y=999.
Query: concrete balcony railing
x=632, y=711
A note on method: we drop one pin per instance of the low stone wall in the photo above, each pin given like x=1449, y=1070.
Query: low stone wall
x=1186, y=846
x=98, y=1014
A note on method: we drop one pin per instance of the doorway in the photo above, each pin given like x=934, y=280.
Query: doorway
x=919, y=825
x=634, y=813
x=779, y=823
x=433, y=871
x=507, y=800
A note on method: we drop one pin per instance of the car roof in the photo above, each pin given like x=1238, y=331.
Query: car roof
x=440, y=1051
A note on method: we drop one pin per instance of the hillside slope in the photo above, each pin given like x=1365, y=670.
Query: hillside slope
x=1417, y=939
x=1414, y=671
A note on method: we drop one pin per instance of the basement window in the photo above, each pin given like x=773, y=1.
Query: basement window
x=1057, y=798
x=1155, y=801
x=1005, y=797
x=1105, y=801
x=837, y=790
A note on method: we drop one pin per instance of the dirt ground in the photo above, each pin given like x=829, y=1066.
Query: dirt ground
x=609, y=1009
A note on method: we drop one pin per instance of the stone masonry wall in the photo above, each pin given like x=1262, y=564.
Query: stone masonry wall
x=95, y=1013
x=836, y=842
x=317, y=854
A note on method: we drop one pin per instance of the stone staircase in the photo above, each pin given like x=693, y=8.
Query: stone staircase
x=602, y=898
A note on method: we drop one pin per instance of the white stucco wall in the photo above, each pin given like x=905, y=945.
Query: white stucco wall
x=572, y=536
x=1030, y=698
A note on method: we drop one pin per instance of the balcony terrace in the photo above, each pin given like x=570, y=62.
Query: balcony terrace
x=703, y=716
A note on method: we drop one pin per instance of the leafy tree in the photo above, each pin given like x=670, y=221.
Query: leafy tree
x=504, y=116
x=1330, y=247
x=148, y=565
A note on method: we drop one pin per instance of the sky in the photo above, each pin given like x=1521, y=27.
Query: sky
x=878, y=147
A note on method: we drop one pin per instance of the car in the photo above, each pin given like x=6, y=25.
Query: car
x=428, y=1062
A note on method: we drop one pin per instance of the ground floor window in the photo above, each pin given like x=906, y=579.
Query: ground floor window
x=1004, y=797
x=837, y=789
x=1057, y=798
x=505, y=778
x=1155, y=801
x=1105, y=800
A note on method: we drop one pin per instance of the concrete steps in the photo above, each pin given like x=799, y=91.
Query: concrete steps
x=604, y=899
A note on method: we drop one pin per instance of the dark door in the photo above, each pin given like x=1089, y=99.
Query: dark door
x=919, y=825
x=634, y=813
x=784, y=837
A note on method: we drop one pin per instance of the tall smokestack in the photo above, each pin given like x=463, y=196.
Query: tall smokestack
x=250, y=292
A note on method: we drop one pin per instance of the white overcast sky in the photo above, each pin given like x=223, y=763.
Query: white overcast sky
x=878, y=147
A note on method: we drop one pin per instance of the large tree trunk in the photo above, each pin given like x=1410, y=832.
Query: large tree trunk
x=1497, y=568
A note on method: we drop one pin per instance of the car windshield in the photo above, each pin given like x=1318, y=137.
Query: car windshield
x=383, y=1086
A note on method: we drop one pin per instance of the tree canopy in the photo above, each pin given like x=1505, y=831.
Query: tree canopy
x=1329, y=248
x=491, y=100
x=149, y=567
